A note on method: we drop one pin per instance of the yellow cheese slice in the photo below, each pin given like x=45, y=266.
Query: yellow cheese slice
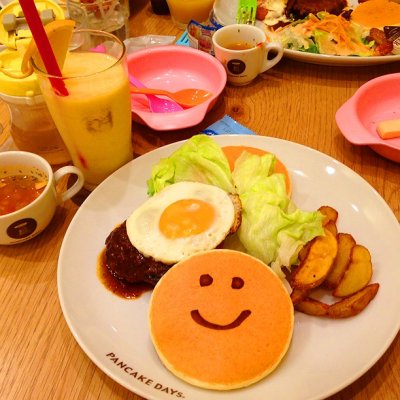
x=389, y=129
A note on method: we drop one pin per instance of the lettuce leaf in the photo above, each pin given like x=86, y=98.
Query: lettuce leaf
x=273, y=229
x=200, y=159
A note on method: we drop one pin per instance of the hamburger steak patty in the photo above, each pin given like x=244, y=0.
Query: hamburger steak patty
x=126, y=263
x=301, y=8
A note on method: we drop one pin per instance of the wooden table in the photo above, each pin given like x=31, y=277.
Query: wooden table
x=40, y=359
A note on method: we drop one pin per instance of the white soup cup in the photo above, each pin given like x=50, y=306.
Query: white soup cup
x=29, y=221
x=244, y=52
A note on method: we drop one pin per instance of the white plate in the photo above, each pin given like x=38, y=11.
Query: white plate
x=225, y=13
x=339, y=61
x=325, y=355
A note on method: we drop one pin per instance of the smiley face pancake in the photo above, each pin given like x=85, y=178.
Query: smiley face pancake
x=221, y=319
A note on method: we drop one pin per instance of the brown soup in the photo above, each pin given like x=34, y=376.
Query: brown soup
x=17, y=191
x=239, y=46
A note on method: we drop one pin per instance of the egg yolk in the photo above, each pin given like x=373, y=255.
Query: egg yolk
x=185, y=218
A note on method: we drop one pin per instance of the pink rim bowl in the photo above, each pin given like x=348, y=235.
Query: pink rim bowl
x=375, y=101
x=173, y=68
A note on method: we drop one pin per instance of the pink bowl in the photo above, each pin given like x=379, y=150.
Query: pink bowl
x=173, y=68
x=375, y=101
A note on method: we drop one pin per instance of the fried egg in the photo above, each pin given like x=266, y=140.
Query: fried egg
x=181, y=220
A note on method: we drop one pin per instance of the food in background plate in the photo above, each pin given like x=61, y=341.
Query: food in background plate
x=277, y=13
x=301, y=8
x=325, y=33
x=221, y=320
x=333, y=28
x=377, y=14
x=272, y=12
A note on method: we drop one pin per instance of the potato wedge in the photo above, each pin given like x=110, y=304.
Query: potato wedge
x=331, y=215
x=298, y=295
x=304, y=251
x=331, y=227
x=345, y=243
x=315, y=267
x=312, y=307
x=357, y=274
x=354, y=304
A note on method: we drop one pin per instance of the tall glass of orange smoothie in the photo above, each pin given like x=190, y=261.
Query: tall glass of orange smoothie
x=93, y=112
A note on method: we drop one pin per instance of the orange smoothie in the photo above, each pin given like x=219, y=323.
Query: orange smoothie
x=94, y=120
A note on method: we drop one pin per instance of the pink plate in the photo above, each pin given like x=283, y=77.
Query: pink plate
x=375, y=101
x=173, y=68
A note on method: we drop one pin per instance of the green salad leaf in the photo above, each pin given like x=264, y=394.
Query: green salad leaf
x=273, y=229
x=200, y=159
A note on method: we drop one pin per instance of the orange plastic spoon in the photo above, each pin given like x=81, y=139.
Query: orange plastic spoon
x=185, y=97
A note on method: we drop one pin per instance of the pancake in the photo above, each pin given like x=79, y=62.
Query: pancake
x=221, y=320
x=233, y=152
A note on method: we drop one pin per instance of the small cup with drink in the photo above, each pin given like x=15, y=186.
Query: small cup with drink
x=244, y=52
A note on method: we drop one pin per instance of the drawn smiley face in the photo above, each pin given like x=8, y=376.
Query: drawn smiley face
x=237, y=283
x=220, y=319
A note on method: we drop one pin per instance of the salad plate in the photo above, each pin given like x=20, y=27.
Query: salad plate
x=113, y=332
x=225, y=14
x=339, y=61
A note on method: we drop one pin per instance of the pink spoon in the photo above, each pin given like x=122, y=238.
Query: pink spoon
x=156, y=104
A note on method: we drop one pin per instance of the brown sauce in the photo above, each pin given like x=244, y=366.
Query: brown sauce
x=120, y=288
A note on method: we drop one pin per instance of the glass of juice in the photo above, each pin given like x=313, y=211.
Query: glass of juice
x=92, y=112
x=183, y=11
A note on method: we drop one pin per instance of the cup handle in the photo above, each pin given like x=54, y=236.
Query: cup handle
x=75, y=188
x=277, y=47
